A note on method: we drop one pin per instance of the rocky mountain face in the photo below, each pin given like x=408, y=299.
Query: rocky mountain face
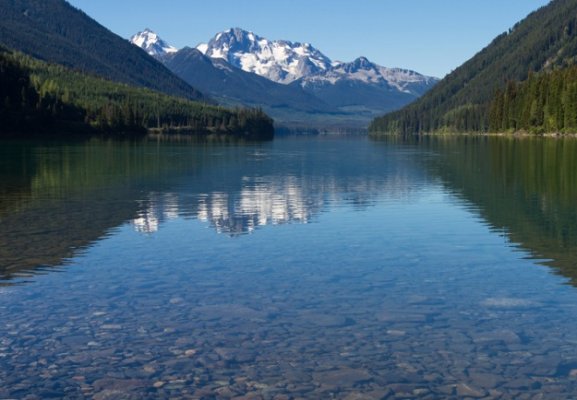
x=280, y=60
x=283, y=77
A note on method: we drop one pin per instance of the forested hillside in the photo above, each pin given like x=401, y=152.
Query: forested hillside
x=545, y=102
x=40, y=97
x=54, y=31
x=545, y=41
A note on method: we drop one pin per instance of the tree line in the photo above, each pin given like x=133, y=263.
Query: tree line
x=37, y=96
x=545, y=102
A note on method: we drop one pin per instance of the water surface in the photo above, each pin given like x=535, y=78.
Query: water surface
x=300, y=268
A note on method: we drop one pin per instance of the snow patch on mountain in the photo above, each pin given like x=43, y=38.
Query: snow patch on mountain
x=152, y=43
x=203, y=47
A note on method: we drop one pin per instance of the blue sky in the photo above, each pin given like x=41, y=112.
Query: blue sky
x=429, y=36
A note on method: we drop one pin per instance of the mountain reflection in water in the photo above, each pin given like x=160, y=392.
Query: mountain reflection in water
x=69, y=196
x=58, y=199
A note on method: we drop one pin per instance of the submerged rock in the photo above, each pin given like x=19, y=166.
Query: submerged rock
x=508, y=302
x=346, y=377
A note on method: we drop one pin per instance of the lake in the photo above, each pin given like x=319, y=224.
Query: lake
x=306, y=267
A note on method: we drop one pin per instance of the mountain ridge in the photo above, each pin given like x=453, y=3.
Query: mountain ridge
x=358, y=90
x=55, y=31
x=297, y=61
x=233, y=85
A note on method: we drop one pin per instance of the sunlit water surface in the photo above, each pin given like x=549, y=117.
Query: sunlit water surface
x=301, y=268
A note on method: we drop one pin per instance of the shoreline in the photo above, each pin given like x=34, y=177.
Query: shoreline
x=519, y=134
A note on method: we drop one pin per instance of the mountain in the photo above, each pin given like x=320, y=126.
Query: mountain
x=362, y=84
x=286, y=62
x=363, y=70
x=152, y=44
x=232, y=85
x=293, y=82
x=280, y=61
x=544, y=41
x=54, y=31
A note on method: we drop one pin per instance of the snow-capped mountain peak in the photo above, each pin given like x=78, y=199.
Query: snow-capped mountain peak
x=152, y=43
x=280, y=60
x=283, y=61
x=304, y=81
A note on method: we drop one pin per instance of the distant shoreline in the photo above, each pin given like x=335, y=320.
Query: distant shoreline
x=519, y=134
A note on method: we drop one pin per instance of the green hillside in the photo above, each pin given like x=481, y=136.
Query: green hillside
x=38, y=97
x=54, y=31
x=545, y=102
x=544, y=41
